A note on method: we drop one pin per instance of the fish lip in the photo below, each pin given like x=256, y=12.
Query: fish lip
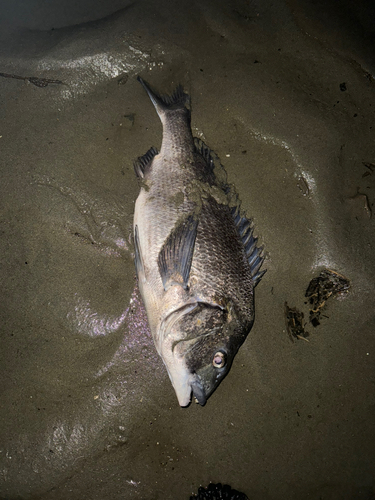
x=199, y=392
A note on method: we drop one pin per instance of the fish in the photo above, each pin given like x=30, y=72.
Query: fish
x=196, y=257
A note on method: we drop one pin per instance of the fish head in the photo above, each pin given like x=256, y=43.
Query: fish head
x=199, y=348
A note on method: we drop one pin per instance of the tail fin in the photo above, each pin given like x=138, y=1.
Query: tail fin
x=177, y=100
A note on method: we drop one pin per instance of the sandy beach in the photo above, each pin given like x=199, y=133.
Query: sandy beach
x=284, y=93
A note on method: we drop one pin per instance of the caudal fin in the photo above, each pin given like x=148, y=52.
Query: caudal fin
x=163, y=102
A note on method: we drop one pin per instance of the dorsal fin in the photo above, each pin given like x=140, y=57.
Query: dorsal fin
x=143, y=163
x=206, y=152
x=213, y=163
x=253, y=253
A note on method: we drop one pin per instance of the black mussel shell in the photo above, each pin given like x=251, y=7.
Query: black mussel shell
x=218, y=492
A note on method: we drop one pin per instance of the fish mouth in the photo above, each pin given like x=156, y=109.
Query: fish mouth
x=199, y=392
x=183, y=393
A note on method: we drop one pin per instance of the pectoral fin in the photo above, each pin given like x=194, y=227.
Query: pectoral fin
x=176, y=255
x=138, y=257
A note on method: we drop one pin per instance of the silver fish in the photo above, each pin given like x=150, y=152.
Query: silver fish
x=196, y=258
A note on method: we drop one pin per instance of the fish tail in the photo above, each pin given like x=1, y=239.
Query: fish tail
x=179, y=99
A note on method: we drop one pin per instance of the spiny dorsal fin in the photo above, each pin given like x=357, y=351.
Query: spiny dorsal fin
x=258, y=276
x=253, y=253
x=143, y=163
x=176, y=255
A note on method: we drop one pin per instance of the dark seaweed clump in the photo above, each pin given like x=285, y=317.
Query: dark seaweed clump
x=295, y=323
x=327, y=284
x=218, y=492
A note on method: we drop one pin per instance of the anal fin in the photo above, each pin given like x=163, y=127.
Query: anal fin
x=176, y=255
x=143, y=163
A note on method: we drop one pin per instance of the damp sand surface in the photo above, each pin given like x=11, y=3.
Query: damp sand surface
x=283, y=92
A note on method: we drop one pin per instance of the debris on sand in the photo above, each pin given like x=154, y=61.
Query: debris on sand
x=38, y=82
x=295, y=323
x=327, y=284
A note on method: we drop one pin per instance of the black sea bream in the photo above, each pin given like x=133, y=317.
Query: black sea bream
x=197, y=260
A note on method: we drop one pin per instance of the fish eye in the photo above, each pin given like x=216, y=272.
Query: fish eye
x=219, y=360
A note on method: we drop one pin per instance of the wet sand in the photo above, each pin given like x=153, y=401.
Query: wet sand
x=284, y=94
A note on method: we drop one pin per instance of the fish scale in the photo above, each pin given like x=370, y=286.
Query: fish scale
x=218, y=246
